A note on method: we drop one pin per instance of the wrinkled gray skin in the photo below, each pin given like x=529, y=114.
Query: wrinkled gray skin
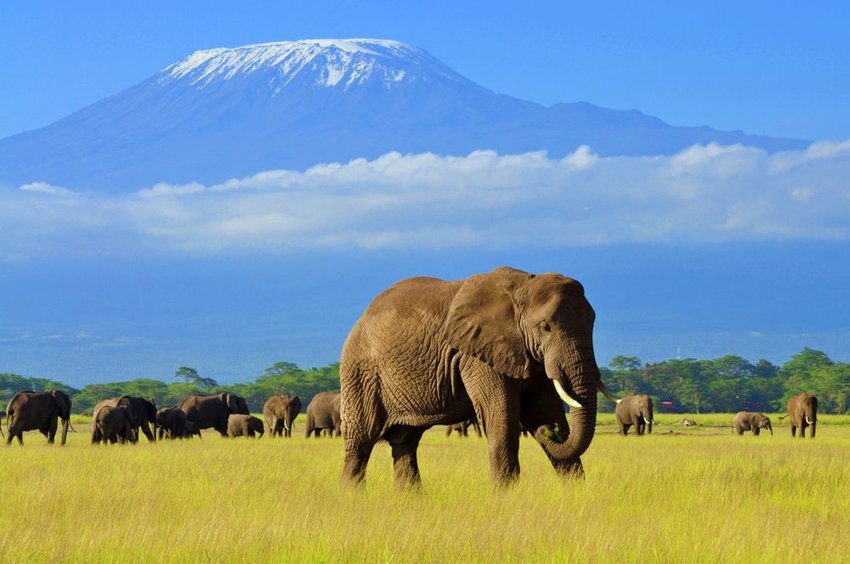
x=142, y=411
x=634, y=410
x=113, y=424
x=280, y=413
x=241, y=425
x=433, y=352
x=463, y=427
x=213, y=411
x=323, y=413
x=751, y=421
x=803, y=412
x=171, y=423
x=30, y=411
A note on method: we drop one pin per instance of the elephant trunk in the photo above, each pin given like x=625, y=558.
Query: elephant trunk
x=648, y=421
x=582, y=377
x=770, y=428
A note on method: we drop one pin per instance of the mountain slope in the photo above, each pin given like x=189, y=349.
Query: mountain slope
x=225, y=113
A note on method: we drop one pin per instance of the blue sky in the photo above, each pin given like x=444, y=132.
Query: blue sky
x=772, y=68
x=712, y=251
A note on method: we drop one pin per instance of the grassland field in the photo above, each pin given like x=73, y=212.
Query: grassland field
x=697, y=494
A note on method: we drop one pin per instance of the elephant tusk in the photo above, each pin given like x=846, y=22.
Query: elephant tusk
x=645, y=420
x=285, y=425
x=565, y=396
x=807, y=420
x=604, y=389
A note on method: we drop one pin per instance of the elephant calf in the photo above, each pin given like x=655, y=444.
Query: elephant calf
x=113, y=424
x=749, y=421
x=241, y=425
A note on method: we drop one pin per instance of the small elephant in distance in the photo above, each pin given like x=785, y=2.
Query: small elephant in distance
x=280, y=412
x=113, y=424
x=213, y=410
x=31, y=411
x=241, y=425
x=323, y=414
x=635, y=410
x=462, y=428
x=171, y=423
x=750, y=421
x=803, y=411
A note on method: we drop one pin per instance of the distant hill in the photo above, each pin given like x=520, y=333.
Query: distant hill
x=224, y=113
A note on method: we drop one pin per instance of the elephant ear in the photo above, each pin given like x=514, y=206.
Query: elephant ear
x=63, y=403
x=483, y=322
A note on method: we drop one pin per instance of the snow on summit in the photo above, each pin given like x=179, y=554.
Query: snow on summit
x=324, y=62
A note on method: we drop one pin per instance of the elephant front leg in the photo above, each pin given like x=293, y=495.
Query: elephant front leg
x=357, y=453
x=497, y=400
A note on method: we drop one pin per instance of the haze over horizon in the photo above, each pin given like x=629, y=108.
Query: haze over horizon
x=710, y=248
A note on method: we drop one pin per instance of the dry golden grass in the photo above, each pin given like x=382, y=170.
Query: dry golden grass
x=693, y=495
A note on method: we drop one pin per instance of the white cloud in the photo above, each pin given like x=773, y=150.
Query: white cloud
x=45, y=188
x=705, y=193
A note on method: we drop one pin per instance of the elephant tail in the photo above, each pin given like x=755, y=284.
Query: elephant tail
x=783, y=417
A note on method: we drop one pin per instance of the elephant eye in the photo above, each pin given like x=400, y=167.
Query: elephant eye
x=544, y=326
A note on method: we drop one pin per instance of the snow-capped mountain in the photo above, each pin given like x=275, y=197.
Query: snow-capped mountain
x=223, y=113
x=321, y=62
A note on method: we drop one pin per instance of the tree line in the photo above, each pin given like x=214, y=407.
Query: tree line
x=280, y=378
x=722, y=385
x=731, y=383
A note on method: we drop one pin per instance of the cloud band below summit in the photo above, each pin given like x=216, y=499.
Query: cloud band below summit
x=707, y=193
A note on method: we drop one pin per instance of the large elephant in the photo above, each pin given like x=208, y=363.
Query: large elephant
x=28, y=411
x=507, y=345
x=634, y=410
x=113, y=423
x=241, y=425
x=280, y=413
x=171, y=423
x=803, y=411
x=463, y=427
x=751, y=421
x=213, y=411
x=323, y=413
x=142, y=411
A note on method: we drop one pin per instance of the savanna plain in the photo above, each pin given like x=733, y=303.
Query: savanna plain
x=697, y=494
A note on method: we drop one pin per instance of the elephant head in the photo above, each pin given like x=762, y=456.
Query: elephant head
x=764, y=423
x=519, y=323
x=234, y=403
x=63, y=406
x=643, y=406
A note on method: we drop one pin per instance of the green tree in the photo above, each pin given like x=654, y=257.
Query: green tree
x=626, y=372
x=191, y=376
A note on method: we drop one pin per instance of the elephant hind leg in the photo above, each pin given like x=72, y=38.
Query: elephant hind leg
x=405, y=442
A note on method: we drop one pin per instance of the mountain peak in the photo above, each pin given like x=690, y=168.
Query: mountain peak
x=328, y=62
